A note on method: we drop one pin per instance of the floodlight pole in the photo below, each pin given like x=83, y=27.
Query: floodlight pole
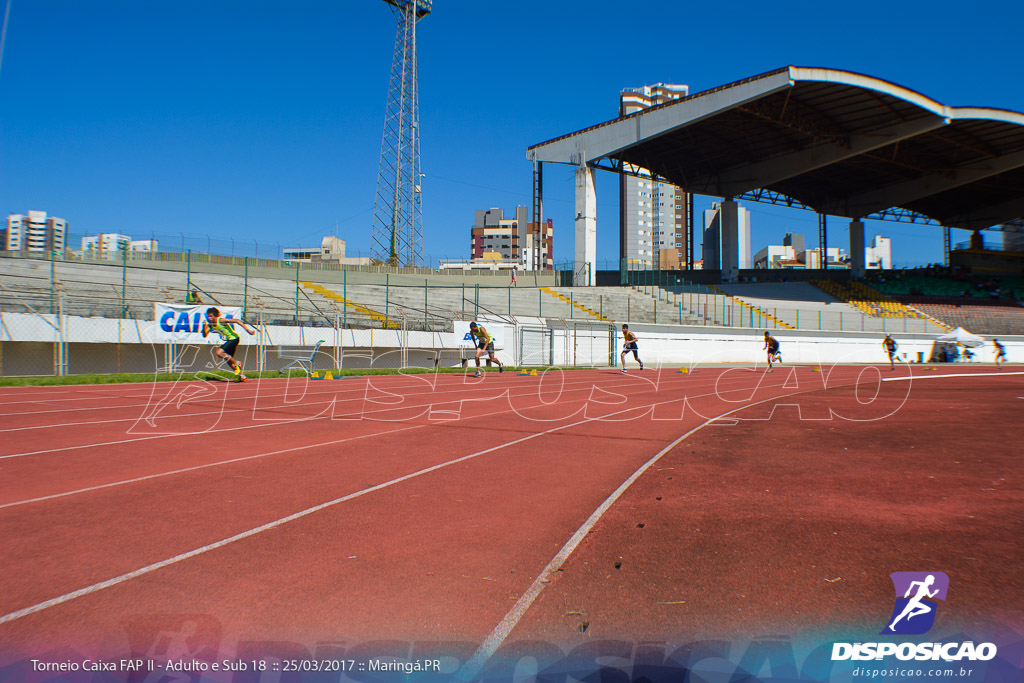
x=397, y=233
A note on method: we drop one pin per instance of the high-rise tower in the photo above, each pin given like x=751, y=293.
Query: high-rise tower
x=397, y=234
x=652, y=214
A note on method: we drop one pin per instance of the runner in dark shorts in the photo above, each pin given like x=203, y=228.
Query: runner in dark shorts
x=224, y=326
x=771, y=344
x=484, y=344
x=889, y=344
x=629, y=344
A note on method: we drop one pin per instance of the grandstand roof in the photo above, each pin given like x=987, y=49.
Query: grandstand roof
x=842, y=143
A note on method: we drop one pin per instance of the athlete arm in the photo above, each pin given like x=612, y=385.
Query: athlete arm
x=245, y=327
x=206, y=329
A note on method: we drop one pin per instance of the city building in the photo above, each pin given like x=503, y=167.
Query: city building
x=878, y=255
x=792, y=254
x=332, y=250
x=789, y=254
x=513, y=240
x=34, y=231
x=111, y=245
x=722, y=257
x=652, y=214
x=836, y=258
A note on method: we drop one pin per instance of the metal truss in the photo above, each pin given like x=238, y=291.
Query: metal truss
x=397, y=234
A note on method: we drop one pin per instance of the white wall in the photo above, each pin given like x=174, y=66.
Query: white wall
x=659, y=345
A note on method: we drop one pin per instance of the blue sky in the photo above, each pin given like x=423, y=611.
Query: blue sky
x=262, y=120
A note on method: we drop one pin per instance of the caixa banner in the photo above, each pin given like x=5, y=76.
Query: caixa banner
x=184, y=324
x=463, y=338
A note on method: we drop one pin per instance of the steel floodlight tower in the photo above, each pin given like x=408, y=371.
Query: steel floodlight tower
x=397, y=234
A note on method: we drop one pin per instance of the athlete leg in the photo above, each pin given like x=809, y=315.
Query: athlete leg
x=224, y=355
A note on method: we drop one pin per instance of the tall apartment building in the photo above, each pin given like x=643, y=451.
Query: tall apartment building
x=495, y=237
x=652, y=214
x=34, y=231
x=711, y=251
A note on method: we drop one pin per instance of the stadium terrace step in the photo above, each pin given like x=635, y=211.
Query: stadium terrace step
x=376, y=316
x=870, y=301
x=575, y=304
x=764, y=315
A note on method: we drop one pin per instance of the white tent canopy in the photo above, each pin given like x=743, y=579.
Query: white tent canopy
x=961, y=336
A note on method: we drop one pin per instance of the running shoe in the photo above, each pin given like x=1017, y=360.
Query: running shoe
x=238, y=369
x=624, y=371
x=501, y=369
x=242, y=378
x=479, y=374
x=641, y=366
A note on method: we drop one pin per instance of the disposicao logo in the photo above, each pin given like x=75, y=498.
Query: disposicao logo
x=917, y=594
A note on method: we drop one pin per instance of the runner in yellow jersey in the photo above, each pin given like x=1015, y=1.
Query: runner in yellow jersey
x=629, y=344
x=224, y=326
x=484, y=344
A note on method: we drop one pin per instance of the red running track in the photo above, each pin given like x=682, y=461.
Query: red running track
x=445, y=508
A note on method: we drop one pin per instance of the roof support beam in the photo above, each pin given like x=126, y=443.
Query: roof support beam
x=904, y=193
x=741, y=179
x=591, y=144
x=987, y=216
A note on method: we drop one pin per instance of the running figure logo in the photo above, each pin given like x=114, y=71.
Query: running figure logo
x=914, y=612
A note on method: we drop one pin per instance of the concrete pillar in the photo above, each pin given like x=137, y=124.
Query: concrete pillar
x=857, y=248
x=729, y=241
x=585, y=261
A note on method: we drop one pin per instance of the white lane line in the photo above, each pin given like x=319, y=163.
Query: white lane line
x=308, y=397
x=287, y=450
x=251, y=389
x=121, y=419
x=12, y=616
x=955, y=374
x=204, y=466
x=474, y=664
x=266, y=527
x=506, y=391
x=327, y=397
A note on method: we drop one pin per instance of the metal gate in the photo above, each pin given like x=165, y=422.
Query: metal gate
x=535, y=346
x=593, y=345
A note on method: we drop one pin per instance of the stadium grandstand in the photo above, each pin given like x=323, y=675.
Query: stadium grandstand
x=831, y=141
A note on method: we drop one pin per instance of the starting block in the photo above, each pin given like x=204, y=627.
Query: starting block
x=530, y=373
x=315, y=375
x=327, y=375
x=815, y=369
x=686, y=371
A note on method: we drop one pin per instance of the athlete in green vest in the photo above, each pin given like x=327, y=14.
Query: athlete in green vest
x=224, y=326
x=484, y=344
